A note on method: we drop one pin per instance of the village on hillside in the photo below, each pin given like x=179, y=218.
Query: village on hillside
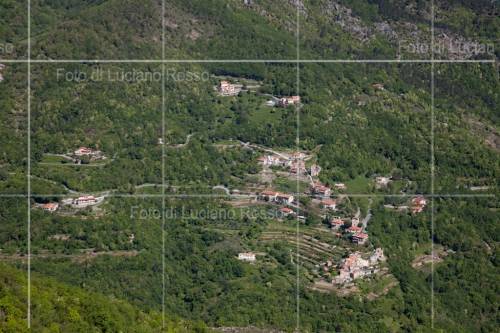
x=335, y=246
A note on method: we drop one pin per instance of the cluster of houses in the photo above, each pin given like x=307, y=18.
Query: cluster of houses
x=225, y=88
x=319, y=190
x=92, y=154
x=80, y=202
x=355, y=232
x=295, y=163
x=49, y=207
x=2, y=67
x=355, y=266
x=418, y=205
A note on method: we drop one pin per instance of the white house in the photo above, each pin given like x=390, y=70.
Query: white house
x=247, y=256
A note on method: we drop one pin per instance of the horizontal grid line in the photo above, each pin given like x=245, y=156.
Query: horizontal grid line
x=291, y=61
x=300, y=195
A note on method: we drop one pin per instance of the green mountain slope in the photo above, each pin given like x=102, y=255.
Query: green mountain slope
x=100, y=269
x=56, y=307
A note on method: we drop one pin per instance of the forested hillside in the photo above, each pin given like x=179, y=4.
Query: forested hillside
x=235, y=195
x=59, y=308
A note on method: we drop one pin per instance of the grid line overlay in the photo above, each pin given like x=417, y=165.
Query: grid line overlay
x=297, y=142
x=298, y=61
x=433, y=161
x=163, y=204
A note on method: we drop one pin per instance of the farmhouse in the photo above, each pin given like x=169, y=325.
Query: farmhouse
x=285, y=199
x=286, y=101
x=268, y=195
x=285, y=211
x=271, y=160
x=382, y=181
x=246, y=256
x=320, y=190
x=328, y=204
x=336, y=223
x=50, y=207
x=418, y=204
x=359, y=238
x=83, y=201
x=228, y=89
x=89, y=152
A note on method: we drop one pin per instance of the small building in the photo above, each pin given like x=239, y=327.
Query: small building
x=340, y=186
x=382, y=181
x=285, y=199
x=50, y=207
x=268, y=195
x=228, y=89
x=247, y=256
x=285, y=211
x=359, y=238
x=85, y=201
x=354, y=229
x=88, y=152
x=287, y=101
x=336, y=223
x=418, y=204
x=314, y=170
x=328, y=204
x=271, y=160
x=321, y=191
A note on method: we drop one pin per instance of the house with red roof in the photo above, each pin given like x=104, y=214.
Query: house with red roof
x=328, y=204
x=50, y=207
x=359, y=238
x=321, y=190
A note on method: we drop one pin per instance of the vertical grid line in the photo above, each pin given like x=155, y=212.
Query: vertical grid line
x=29, y=167
x=432, y=160
x=297, y=143
x=163, y=161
